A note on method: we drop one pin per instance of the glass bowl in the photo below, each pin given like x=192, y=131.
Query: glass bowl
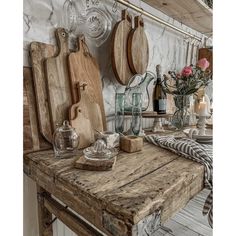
x=97, y=25
x=99, y=151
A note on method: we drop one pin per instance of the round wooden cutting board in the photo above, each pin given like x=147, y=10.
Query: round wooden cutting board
x=138, y=51
x=119, y=49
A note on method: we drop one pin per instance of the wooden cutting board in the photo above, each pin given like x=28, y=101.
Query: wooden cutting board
x=119, y=57
x=83, y=68
x=58, y=83
x=39, y=52
x=95, y=165
x=86, y=118
x=206, y=53
x=83, y=128
x=32, y=140
x=138, y=50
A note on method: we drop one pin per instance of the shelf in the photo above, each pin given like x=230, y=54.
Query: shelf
x=151, y=114
x=192, y=13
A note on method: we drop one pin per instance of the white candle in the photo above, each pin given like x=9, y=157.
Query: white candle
x=202, y=110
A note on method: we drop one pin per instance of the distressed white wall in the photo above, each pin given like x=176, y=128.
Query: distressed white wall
x=166, y=47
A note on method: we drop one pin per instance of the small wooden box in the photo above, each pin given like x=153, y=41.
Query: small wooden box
x=131, y=143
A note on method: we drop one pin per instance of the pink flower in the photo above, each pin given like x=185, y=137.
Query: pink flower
x=203, y=64
x=187, y=71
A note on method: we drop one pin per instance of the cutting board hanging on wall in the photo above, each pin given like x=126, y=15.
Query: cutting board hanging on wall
x=119, y=56
x=39, y=52
x=138, y=50
x=83, y=68
x=58, y=83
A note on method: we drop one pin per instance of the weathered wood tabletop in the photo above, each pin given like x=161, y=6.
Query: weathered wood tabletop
x=126, y=200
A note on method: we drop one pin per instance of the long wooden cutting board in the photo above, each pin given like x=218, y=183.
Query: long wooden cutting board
x=32, y=140
x=58, y=83
x=138, y=50
x=84, y=69
x=39, y=52
x=119, y=56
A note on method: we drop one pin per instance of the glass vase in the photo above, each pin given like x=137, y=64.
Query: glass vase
x=180, y=118
x=119, y=112
x=136, y=113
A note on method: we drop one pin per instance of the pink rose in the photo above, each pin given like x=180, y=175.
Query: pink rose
x=187, y=71
x=203, y=64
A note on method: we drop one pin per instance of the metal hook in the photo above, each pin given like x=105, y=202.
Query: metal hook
x=114, y=7
x=141, y=12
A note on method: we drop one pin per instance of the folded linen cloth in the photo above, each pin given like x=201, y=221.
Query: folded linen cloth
x=192, y=150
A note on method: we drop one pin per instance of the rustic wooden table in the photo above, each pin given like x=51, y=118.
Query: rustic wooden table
x=143, y=189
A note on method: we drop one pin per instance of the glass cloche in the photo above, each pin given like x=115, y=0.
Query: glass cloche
x=65, y=140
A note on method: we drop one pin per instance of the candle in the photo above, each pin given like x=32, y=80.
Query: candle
x=202, y=109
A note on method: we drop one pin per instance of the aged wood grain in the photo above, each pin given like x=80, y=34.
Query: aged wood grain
x=129, y=167
x=39, y=52
x=195, y=13
x=119, y=56
x=69, y=218
x=87, y=118
x=140, y=185
x=58, y=84
x=32, y=139
x=151, y=192
x=84, y=69
x=138, y=50
x=95, y=165
x=44, y=216
x=83, y=128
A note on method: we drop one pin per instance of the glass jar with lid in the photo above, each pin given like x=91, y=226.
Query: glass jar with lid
x=65, y=140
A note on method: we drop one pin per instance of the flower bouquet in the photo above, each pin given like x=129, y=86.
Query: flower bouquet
x=182, y=85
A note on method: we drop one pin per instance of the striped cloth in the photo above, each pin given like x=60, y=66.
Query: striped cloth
x=190, y=149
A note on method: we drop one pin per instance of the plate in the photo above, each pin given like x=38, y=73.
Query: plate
x=206, y=137
x=97, y=25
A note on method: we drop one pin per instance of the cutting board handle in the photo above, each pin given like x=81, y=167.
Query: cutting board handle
x=83, y=46
x=62, y=40
x=138, y=21
x=126, y=16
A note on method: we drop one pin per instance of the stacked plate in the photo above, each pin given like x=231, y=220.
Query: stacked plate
x=204, y=139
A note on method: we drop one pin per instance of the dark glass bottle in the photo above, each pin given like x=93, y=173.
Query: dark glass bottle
x=159, y=96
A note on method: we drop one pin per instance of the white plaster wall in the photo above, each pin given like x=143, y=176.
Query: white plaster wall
x=42, y=17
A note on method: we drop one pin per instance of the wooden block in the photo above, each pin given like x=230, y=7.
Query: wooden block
x=131, y=143
x=85, y=164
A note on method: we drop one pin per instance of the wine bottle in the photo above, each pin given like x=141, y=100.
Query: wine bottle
x=159, y=96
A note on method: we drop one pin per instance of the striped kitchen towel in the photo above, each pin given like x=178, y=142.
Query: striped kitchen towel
x=190, y=149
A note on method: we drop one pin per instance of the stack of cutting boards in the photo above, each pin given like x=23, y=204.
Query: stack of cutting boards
x=130, y=50
x=67, y=87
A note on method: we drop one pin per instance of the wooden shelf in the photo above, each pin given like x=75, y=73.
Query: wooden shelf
x=192, y=13
x=151, y=114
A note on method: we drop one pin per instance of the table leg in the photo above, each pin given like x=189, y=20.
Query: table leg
x=44, y=216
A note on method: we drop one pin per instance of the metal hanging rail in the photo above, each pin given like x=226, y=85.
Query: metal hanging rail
x=155, y=18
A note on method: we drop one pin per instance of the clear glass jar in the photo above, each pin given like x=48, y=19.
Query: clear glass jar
x=119, y=112
x=65, y=141
x=136, y=113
